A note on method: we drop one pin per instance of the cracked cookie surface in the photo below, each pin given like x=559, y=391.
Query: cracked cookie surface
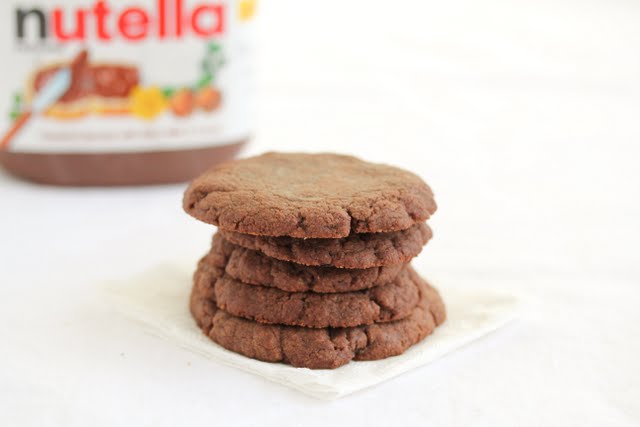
x=324, y=348
x=355, y=251
x=254, y=268
x=308, y=196
x=385, y=303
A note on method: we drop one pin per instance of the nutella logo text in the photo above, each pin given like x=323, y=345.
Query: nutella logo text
x=101, y=21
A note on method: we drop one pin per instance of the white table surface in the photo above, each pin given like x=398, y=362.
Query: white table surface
x=524, y=118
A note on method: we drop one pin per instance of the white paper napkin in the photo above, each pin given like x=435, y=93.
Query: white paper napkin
x=158, y=299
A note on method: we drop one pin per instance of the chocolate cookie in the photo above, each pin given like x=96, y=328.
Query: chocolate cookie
x=313, y=348
x=354, y=251
x=384, y=303
x=252, y=267
x=308, y=196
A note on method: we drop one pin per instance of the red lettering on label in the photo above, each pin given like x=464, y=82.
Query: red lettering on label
x=162, y=22
x=215, y=15
x=178, y=18
x=58, y=24
x=168, y=19
x=133, y=23
x=100, y=11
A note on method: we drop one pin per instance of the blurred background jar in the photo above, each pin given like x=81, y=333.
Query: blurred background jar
x=113, y=93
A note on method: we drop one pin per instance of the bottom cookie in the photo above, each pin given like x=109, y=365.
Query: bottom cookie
x=326, y=348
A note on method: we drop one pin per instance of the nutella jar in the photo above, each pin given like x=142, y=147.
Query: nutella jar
x=123, y=92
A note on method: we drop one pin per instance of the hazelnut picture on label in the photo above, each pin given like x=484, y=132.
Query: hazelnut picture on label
x=182, y=103
x=208, y=98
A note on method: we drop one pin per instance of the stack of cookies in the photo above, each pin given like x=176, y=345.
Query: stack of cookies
x=310, y=264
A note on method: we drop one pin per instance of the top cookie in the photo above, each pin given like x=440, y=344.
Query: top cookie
x=308, y=196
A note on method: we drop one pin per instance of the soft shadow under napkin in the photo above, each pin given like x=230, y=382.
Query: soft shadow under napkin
x=158, y=299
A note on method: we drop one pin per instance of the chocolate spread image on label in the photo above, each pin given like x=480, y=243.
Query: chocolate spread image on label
x=112, y=93
x=94, y=88
x=109, y=81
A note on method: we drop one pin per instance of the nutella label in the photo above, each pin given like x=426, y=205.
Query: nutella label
x=125, y=76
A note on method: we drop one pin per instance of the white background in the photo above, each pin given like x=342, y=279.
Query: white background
x=525, y=119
